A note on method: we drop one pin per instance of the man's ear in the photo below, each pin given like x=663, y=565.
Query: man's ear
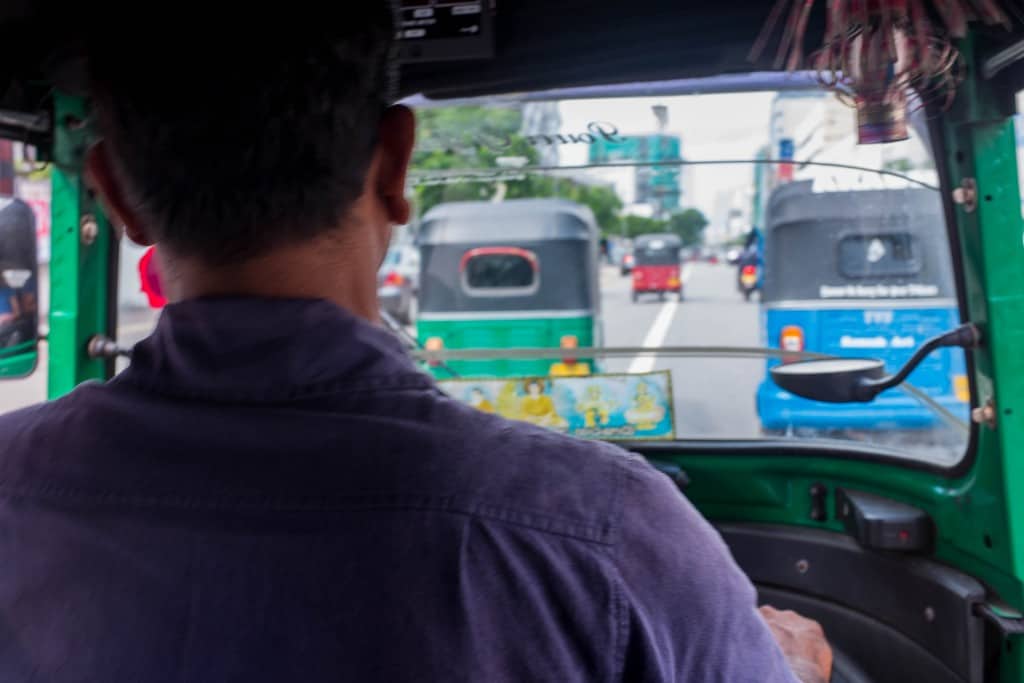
x=396, y=137
x=100, y=173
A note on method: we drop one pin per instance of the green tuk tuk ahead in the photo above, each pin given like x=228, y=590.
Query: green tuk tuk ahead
x=513, y=274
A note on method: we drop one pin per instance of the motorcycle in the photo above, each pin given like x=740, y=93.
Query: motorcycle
x=749, y=280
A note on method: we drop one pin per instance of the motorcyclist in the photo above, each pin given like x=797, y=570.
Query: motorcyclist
x=752, y=255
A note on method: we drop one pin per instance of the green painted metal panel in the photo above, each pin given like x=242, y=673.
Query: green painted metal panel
x=79, y=260
x=495, y=333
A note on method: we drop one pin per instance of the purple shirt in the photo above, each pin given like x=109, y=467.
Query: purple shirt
x=273, y=492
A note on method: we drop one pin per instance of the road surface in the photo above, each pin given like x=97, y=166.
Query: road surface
x=714, y=397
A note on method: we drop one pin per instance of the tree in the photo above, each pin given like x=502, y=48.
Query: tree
x=474, y=138
x=642, y=225
x=603, y=201
x=689, y=225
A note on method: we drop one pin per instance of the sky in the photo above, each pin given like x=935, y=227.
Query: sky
x=711, y=127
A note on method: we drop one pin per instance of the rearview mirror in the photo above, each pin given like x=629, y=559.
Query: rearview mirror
x=832, y=380
x=859, y=380
x=19, y=290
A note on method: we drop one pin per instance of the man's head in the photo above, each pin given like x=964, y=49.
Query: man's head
x=224, y=153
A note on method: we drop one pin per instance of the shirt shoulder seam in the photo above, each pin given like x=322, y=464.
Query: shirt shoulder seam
x=536, y=521
x=337, y=387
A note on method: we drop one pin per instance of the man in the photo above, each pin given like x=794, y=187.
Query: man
x=272, y=491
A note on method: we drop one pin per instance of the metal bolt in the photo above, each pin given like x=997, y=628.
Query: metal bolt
x=966, y=195
x=985, y=414
x=802, y=566
x=88, y=229
x=929, y=614
x=100, y=346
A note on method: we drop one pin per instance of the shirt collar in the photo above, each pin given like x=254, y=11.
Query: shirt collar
x=258, y=349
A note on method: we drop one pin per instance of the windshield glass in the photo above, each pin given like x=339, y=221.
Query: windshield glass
x=393, y=257
x=793, y=241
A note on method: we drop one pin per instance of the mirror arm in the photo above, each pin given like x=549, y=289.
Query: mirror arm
x=967, y=336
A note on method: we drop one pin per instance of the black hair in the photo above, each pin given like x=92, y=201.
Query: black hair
x=228, y=150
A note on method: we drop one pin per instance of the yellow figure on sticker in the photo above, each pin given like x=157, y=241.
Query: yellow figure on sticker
x=478, y=400
x=594, y=407
x=645, y=413
x=538, y=407
x=508, y=402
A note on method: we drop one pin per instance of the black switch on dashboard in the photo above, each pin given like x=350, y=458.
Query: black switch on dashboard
x=819, y=502
x=882, y=524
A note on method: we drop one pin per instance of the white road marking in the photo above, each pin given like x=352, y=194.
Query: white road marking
x=655, y=337
x=659, y=329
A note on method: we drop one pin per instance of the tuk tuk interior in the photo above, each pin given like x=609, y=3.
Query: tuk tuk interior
x=914, y=566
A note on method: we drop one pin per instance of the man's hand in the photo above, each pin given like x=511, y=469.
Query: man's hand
x=803, y=644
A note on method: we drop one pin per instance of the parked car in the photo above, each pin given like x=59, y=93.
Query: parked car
x=398, y=282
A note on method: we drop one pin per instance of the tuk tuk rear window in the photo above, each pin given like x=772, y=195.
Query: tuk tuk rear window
x=656, y=255
x=500, y=271
x=894, y=254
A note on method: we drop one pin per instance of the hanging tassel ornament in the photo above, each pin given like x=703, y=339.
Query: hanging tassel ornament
x=876, y=52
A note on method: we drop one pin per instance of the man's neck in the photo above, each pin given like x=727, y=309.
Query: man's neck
x=340, y=271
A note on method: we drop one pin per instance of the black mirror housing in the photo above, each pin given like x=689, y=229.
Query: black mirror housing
x=832, y=380
x=19, y=290
x=859, y=380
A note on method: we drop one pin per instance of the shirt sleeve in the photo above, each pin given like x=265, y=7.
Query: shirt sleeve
x=689, y=613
